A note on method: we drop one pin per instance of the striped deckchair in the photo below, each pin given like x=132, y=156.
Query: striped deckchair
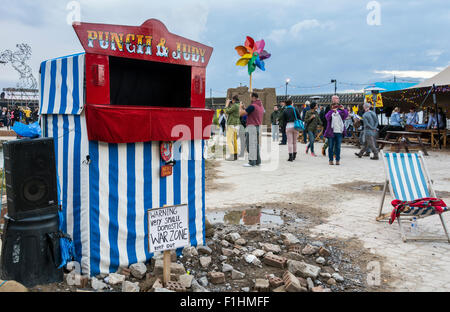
x=408, y=179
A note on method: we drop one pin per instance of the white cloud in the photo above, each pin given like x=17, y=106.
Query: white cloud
x=184, y=18
x=434, y=54
x=43, y=25
x=421, y=74
x=351, y=91
x=298, y=29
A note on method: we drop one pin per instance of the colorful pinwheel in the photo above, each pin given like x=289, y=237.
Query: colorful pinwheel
x=253, y=55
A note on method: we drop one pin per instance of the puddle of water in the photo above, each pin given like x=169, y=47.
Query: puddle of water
x=369, y=187
x=246, y=217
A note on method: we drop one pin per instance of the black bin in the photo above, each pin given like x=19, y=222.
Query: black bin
x=29, y=256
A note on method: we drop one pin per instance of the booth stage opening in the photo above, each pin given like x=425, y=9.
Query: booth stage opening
x=143, y=83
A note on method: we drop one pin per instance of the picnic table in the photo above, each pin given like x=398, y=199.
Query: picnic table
x=401, y=139
x=434, y=136
x=354, y=139
x=319, y=135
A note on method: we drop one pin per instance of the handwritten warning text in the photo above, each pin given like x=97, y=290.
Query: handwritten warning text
x=168, y=228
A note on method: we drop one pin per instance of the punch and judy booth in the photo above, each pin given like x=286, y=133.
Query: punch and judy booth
x=129, y=122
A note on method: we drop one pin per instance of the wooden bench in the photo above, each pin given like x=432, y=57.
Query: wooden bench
x=401, y=139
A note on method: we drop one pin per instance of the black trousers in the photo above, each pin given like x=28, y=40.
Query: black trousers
x=283, y=135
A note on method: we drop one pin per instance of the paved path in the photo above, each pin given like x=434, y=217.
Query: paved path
x=417, y=266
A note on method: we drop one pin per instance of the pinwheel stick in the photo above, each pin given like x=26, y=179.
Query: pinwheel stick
x=251, y=90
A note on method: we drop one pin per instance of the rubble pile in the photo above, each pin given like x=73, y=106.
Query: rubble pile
x=238, y=258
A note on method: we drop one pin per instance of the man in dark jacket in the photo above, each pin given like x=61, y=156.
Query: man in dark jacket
x=275, y=124
x=282, y=124
x=305, y=110
x=323, y=113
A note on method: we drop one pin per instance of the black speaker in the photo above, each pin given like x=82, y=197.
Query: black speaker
x=30, y=173
x=30, y=253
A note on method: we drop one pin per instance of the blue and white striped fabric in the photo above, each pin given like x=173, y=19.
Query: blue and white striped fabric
x=406, y=176
x=62, y=85
x=105, y=201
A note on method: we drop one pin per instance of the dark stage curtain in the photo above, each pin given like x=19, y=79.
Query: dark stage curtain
x=144, y=83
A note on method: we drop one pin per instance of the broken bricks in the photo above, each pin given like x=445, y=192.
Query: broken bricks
x=291, y=283
x=275, y=261
x=175, y=268
x=216, y=277
x=262, y=285
x=175, y=286
x=275, y=282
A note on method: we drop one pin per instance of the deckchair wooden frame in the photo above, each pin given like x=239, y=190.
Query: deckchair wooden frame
x=388, y=184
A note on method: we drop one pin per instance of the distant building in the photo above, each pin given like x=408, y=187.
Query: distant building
x=344, y=98
x=270, y=99
x=267, y=96
x=11, y=97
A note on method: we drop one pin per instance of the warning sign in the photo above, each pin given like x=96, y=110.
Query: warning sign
x=168, y=228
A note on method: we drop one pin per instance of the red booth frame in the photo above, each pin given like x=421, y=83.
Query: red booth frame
x=130, y=124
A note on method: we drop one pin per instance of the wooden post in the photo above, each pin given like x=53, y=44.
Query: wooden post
x=166, y=267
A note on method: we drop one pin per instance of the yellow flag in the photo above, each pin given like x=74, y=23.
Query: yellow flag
x=379, y=100
x=369, y=99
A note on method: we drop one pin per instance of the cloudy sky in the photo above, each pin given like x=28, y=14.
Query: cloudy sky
x=312, y=42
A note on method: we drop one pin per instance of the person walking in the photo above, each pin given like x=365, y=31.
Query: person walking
x=8, y=119
x=325, y=124
x=312, y=121
x=16, y=115
x=255, y=114
x=282, y=124
x=11, y=118
x=222, y=122
x=370, y=121
x=290, y=115
x=232, y=109
x=4, y=117
x=274, y=120
x=335, y=131
x=307, y=108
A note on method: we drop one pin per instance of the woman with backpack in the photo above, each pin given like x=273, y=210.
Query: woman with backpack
x=312, y=121
x=290, y=115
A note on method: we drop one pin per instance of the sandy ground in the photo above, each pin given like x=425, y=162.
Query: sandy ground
x=340, y=196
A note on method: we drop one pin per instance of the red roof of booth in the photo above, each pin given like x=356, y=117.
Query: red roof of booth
x=151, y=41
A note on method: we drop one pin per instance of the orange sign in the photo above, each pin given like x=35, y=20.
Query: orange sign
x=166, y=171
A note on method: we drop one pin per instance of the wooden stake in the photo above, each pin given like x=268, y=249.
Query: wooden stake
x=166, y=267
